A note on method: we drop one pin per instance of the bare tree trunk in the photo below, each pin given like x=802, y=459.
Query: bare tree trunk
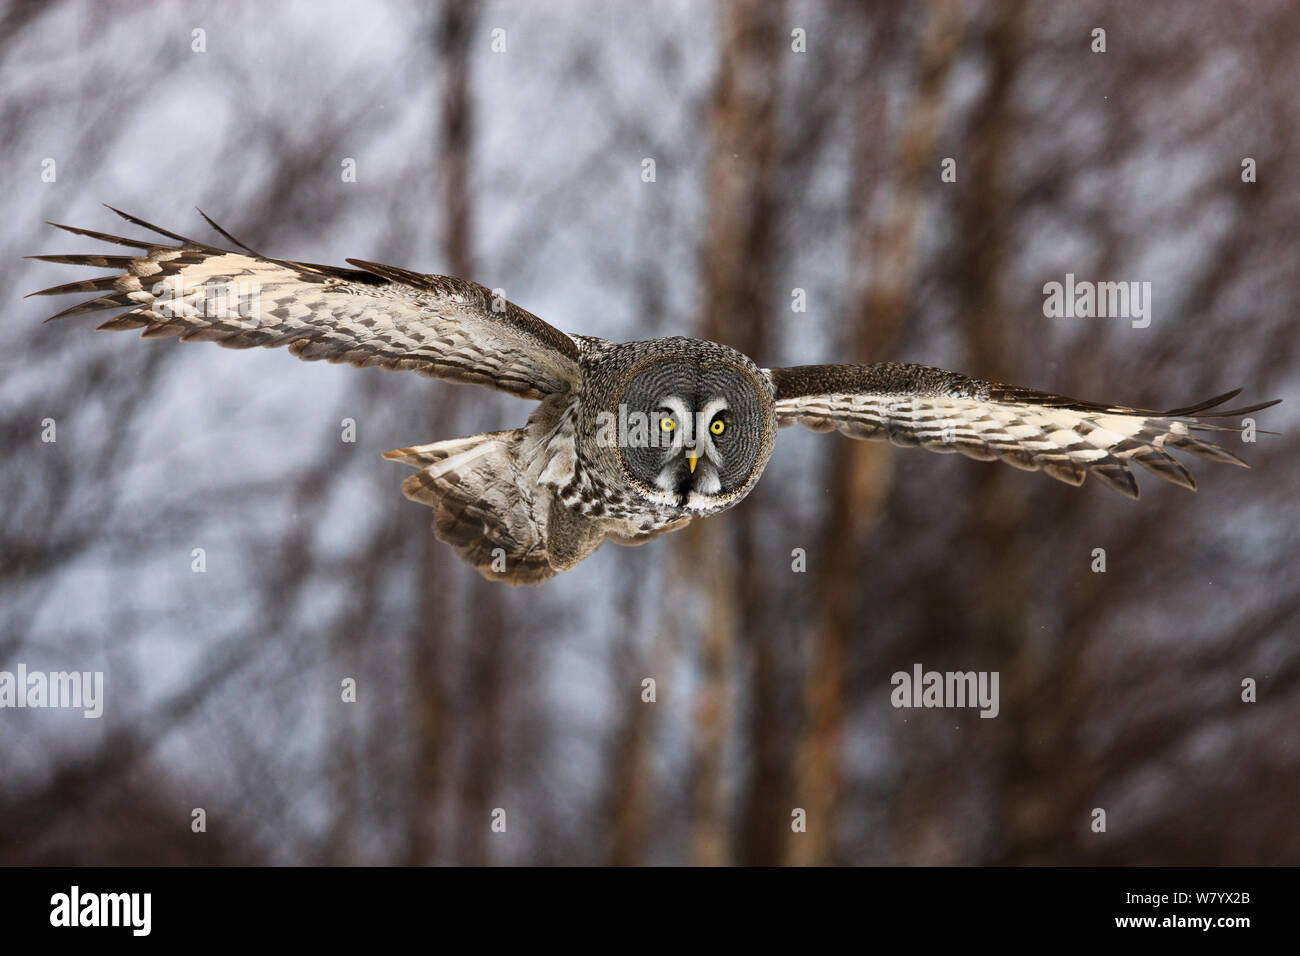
x=480, y=722
x=629, y=802
x=737, y=270
x=1000, y=628
x=430, y=640
x=860, y=471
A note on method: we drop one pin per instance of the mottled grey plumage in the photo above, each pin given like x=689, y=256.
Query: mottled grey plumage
x=629, y=441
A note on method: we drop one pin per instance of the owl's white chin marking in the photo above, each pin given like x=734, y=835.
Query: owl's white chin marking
x=707, y=483
x=704, y=481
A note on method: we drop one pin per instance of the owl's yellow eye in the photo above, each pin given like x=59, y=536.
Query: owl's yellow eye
x=667, y=424
x=718, y=427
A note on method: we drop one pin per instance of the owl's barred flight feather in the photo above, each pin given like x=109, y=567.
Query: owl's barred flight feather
x=917, y=405
x=372, y=315
x=523, y=504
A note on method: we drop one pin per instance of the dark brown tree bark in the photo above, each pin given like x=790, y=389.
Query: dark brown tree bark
x=431, y=640
x=737, y=269
x=859, y=478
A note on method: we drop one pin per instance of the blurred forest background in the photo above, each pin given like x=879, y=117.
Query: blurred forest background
x=775, y=170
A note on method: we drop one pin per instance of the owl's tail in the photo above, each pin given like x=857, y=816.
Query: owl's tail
x=481, y=506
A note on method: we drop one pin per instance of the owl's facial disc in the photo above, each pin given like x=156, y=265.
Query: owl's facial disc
x=705, y=426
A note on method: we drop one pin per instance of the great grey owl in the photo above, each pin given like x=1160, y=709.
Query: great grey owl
x=629, y=440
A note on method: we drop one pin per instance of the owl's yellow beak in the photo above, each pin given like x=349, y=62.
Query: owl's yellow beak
x=692, y=456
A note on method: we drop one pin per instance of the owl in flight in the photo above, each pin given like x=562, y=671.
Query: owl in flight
x=629, y=440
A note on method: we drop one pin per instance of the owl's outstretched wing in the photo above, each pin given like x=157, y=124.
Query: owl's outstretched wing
x=917, y=405
x=370, y=315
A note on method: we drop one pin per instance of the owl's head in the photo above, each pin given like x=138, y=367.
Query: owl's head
x=700, y=423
